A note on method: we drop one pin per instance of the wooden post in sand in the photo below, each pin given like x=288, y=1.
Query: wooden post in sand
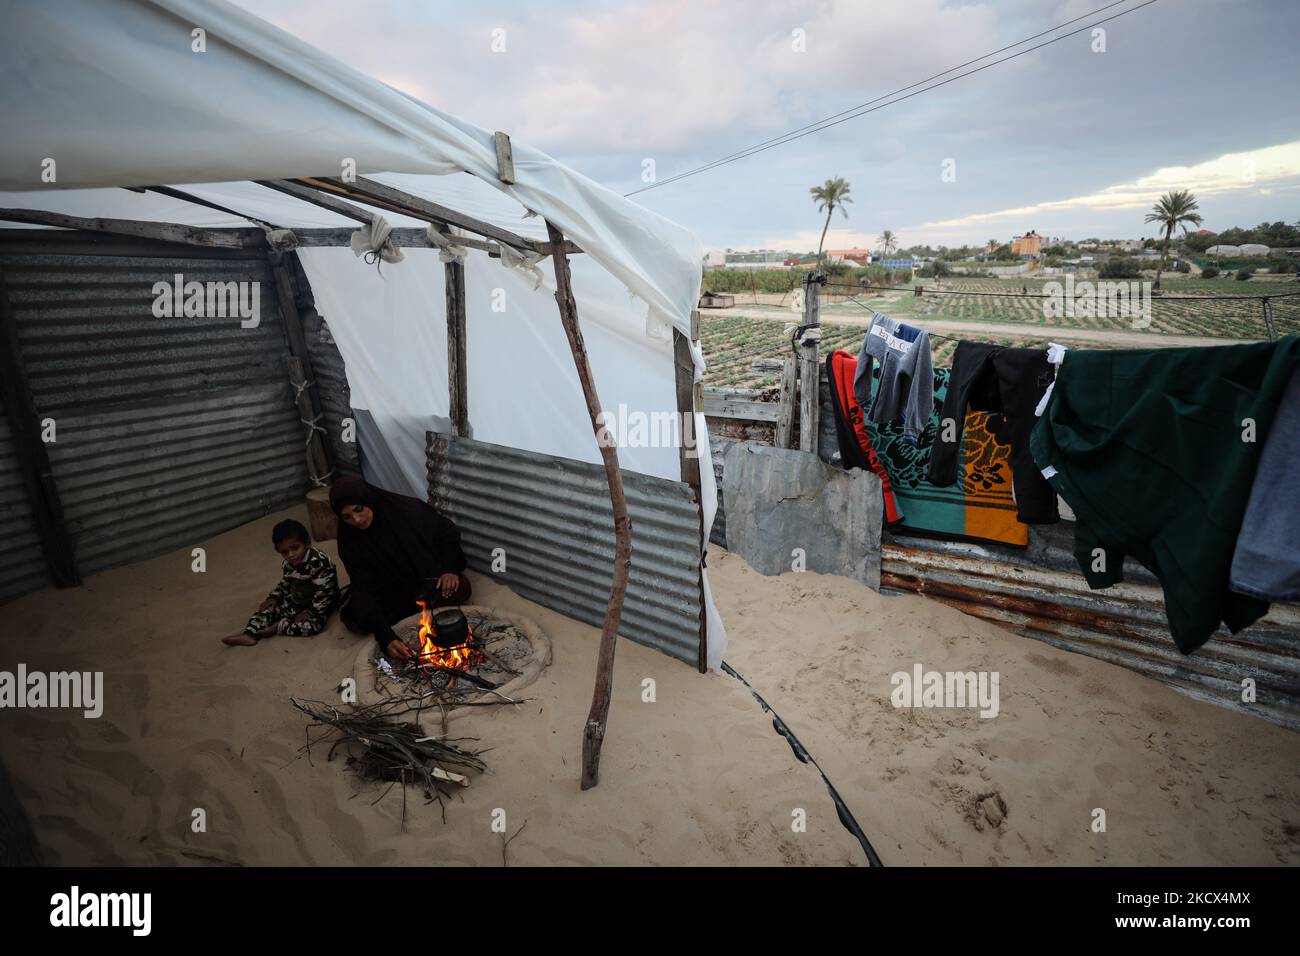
x=810, y=364
x=593, y=733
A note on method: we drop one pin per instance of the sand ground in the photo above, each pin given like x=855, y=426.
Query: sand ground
x=696, y=777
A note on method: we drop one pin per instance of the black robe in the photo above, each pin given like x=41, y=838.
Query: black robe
x=400, y=557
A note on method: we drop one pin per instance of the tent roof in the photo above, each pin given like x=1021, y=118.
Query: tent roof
x=113, y=92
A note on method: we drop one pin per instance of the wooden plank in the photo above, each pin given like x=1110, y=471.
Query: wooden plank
x=505, y=158
x=719, y=406
x=318, y=197
x=318, y=454
x=785, y=417
x=593, y=731
x=457, y=366
x=319, y=465
x=395, y=200
x=405, y=237
x=75, y=242
x=810, y=367
x=33, y=459
x=684, y=370
x=162, y=231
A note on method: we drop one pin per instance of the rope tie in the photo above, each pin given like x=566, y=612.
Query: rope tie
x=312, y=429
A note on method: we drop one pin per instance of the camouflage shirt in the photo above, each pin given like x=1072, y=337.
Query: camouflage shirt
x=311, y=586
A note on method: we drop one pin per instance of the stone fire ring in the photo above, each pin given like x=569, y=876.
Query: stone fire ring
x=367, y=673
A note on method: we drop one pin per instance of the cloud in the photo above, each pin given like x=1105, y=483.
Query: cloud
x=651, y=76
x=1231, y=172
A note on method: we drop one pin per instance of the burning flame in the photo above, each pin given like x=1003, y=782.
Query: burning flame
x=461, y=657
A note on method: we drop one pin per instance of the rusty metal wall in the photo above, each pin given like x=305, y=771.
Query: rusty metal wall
x=1040, y=594
x=169, y=430
x=553, y=519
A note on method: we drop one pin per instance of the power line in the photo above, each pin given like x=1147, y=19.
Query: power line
x=861, y=109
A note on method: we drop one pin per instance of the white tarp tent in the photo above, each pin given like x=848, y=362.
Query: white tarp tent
x=114, y=93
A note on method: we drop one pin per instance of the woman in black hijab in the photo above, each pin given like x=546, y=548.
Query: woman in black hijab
x=397, y=550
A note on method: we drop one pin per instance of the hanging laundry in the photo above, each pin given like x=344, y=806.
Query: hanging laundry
x=1156, y=451
x=850, y=428
x=1266, y=564
x=1055, y=356
x=979, y=508
x=1008, y=384
x=906, y=375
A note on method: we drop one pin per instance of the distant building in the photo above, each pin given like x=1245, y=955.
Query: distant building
x=858, y=257
x=1030, y=244
x=760, y=259
x=715, y=259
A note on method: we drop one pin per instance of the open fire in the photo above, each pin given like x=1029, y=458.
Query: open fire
x=461, y=655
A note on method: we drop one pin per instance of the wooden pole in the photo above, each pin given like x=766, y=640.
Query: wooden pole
x=141, y=229
x=810, y=365
x=457, y=381
x=33, y=459
x=784, y=437
x=1268, y=320
x=684, y=369
x=301, y=373
x=315, y=450
x=593, y=734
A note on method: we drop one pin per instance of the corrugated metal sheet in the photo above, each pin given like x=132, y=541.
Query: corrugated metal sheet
x=1035, y=594
x=22, y=565
x=141, y=479
x=552, y=517
x=89, y=337
x=170, y=430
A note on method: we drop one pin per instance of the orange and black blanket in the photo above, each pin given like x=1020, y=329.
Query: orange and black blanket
x=978, y=507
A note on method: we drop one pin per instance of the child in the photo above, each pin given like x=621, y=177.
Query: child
x=308, y=590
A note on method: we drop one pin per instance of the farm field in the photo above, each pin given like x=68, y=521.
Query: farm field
x=754, y=327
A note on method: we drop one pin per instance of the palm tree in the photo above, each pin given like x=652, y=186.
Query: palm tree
x=888, y=243
x=1177, y=208
x=829, y=197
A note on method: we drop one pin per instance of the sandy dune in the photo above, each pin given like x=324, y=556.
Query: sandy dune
x=698, y=777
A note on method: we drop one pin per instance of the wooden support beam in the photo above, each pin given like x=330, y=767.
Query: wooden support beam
x=724, y=406
x=33, y=459
x=457, y=368
x=593, y=734
x=317, y=197
x=301, y=372
x=163, y=231
x=684, y=371
x=395, y=200
x=401, y=236
x=810, y=366
x=318, y=463
x=505, y=158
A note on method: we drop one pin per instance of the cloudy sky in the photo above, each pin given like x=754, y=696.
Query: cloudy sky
x=1071, y=139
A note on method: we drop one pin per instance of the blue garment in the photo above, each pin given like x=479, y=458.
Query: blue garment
x=1266, y=563
x=906, y=387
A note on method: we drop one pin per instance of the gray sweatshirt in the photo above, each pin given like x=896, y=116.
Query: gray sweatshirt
x=906, y=388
